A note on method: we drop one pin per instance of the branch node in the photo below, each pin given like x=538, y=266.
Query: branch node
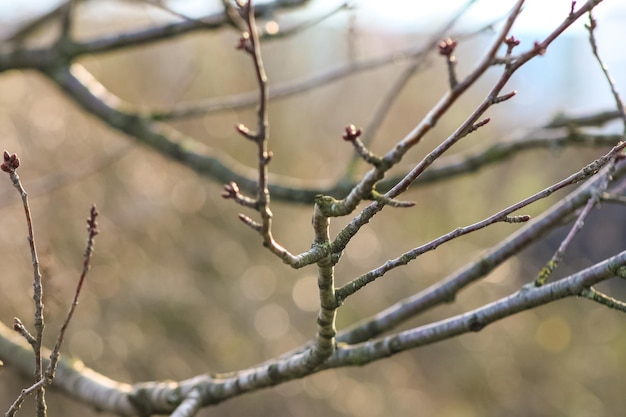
x=539, y=48
x=571, y=11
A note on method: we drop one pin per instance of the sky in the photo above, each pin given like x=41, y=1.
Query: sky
x=390, y=14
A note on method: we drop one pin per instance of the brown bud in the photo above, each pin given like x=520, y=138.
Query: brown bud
x=351, y=133
x=446, y=47
x=11, y=162
x=511, y=42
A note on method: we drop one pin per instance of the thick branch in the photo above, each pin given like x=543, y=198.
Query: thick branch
x=446, y=290
x=476, y=320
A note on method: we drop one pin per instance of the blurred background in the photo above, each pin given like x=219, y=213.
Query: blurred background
x=180, y=286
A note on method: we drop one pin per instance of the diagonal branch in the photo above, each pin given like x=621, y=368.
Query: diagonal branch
x=478, y=319
x=446, y=290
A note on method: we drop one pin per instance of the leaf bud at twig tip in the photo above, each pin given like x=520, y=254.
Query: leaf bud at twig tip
x=231, y=190
x=17, y=324
x=92, y=224
x=352, y=133
x=242, y=129
x=478, y=125
x=11, y=162
x=247, y=220
x=446, y=47
x=511, y=42
x=505, y=97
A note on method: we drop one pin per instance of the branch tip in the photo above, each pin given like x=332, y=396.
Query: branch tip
x=511, y=42
x=244, y=131
x=11, y=162
x=231, y=190
x=92, y=225
x=248, y=221
x=19, y=327
x=352, y=133
x=505, y=97
x=447, y=46
x=244, y=43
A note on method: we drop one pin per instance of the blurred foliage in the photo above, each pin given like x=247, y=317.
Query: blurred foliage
x=179, y=286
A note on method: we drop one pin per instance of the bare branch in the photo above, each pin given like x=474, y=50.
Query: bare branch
x=552, y=264
x=10, y=165
x=501, y=216
x=601, y=298
x=446, y=289
x=92, y=231
x=365, y=186
x=478, y=319
x=619, y=103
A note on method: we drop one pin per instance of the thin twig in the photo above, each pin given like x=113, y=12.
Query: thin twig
x=92, y=231
x=349, y=203
x=29, y=28
x=619, y=103
x=501, y=216
x=553, y=263
x=393, y=92
x=601, y=298
x=66, y=20
x=10, y=165
x=446, y=289
x=479, y=318
x=25, y=393
x=337, y=208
